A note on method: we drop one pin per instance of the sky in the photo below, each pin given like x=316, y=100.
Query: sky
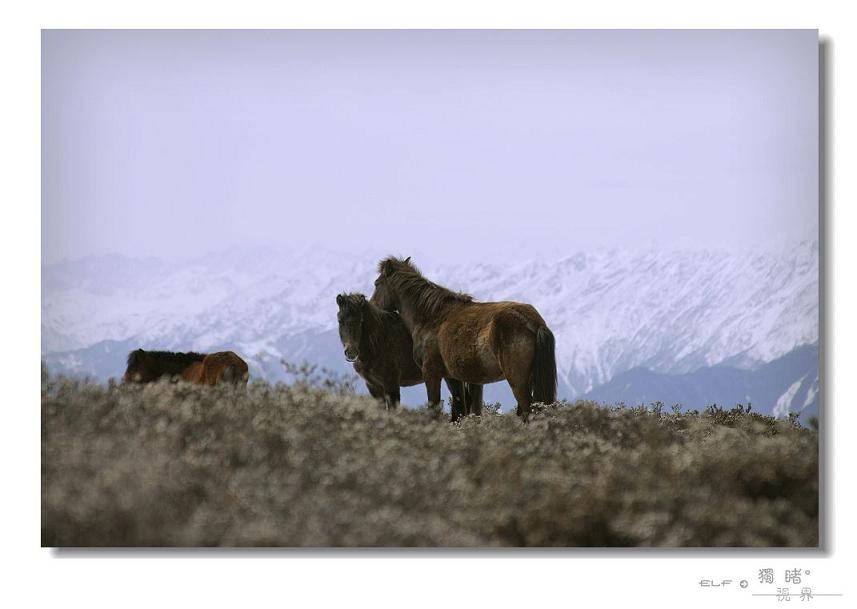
x=447, y=145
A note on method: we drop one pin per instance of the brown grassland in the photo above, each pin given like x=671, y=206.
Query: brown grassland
x=171, y=464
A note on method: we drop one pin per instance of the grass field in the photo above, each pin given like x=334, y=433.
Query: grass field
x=180, y=465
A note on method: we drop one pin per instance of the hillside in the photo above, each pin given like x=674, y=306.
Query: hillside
x=175, y=464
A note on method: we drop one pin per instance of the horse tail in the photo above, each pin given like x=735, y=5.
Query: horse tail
x=544, y=367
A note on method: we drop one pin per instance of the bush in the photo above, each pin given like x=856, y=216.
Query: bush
x=180, y=465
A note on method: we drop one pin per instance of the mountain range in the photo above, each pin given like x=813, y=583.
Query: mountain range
x=632, y=325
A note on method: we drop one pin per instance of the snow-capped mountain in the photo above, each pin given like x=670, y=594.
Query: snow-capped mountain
x=611, y=311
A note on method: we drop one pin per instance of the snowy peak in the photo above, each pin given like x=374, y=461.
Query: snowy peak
x=611, y=310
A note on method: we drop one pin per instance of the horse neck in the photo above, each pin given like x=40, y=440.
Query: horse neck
x=413, y=315
x=371, y=333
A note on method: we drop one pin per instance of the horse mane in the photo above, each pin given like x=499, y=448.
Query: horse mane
x=377, y=317
x=170, y=360
x=428, y=297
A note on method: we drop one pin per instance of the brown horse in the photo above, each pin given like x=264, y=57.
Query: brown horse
x=148, y=366
x=475, y=342
x=380, y=347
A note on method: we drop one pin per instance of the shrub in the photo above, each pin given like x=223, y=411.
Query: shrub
x=302, y=465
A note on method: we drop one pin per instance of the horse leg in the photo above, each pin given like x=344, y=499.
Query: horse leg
x=393, y=393
x=473, y=399
x=376, y=391
x=518, y=378
x=395, y=397
x=457, y=390
x=521, y=392
x=433, y=390
x=515, y=355
x=389, y=377
x=431, y=364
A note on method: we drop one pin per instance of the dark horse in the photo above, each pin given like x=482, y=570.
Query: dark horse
x=380, y=347
x=148, y=366
x=474, y=342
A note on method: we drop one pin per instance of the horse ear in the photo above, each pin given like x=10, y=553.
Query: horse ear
x=339, y=300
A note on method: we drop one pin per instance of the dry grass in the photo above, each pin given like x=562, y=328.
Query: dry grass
x=180, y=465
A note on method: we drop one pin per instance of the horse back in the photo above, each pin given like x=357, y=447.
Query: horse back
x=476, y=339
x=479, y=316
x=195, y=373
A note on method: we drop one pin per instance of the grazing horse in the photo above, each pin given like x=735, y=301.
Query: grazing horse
x=380, y=347
x=148, y=366
x=474, y=342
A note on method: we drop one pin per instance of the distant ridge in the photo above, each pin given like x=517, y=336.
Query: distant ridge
x=766, y=387
x=671, y=312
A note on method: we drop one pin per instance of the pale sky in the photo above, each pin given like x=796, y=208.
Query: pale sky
x=454, y=145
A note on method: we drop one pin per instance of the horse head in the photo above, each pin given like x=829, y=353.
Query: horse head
x=352, y=308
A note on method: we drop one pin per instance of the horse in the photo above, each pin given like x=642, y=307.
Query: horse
x=379, y=346
x=474, y=342
x=149, y=366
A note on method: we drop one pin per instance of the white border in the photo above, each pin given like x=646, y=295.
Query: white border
x=33, y=576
